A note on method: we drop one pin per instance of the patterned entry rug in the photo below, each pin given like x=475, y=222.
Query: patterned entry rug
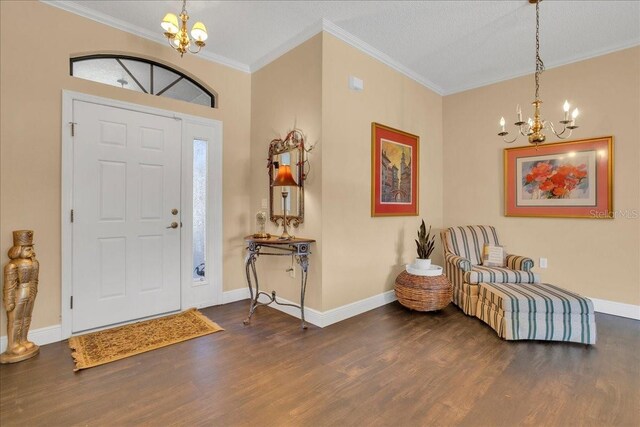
x=106, y=346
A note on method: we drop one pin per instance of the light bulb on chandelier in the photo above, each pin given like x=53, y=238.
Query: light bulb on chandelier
x=534, y=128
x=177, y=35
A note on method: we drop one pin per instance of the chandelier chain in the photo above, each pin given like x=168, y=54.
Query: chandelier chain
x=534, y=128
x=539, y=63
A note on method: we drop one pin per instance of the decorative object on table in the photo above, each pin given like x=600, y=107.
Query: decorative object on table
x=261, y=220
x=298, y=248
x=423, y=293
x=534, y=129
x=19, y=295
x=176, y=32
x=431, y=270
x=394, y=172
x=424, y=246
x=289, y=151
x=571, y=179
x=463, y=255
x=106, y=346
x=284, y=179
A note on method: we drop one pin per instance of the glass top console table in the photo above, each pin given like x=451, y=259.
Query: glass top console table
x=298, y=247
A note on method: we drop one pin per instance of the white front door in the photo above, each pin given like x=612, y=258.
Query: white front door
x=126, y=195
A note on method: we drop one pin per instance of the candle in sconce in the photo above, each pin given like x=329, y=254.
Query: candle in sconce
x=566, y=108
x=502, y=123
x=519, y=113
x=574, y=115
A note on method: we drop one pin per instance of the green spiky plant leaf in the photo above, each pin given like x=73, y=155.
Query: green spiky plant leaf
x=425, y=243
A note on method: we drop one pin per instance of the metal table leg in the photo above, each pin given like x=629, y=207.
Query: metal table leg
x=250, y=266
x=250, y=269
x=253, y=251
x=303, y=260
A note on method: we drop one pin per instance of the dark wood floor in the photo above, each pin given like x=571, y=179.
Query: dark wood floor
x=387, y=367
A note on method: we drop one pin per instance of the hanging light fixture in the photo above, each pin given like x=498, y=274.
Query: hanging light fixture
x=534, y=129
x=176, y=32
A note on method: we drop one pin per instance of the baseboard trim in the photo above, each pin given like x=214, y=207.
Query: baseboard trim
x=325, y=318
x=41, y=336
x=51, y=334
x=235, y=295
x=620, y=309
x=203, y=304
x=346, y=311
x=312, y=316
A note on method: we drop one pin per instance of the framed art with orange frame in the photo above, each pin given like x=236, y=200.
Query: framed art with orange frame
x=394, y=171
x=564, y=180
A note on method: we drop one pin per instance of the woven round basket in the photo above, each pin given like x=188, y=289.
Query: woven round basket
x=423, y=293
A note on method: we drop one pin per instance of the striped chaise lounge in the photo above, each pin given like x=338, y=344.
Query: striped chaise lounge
x=536, y=311
x=463, y=254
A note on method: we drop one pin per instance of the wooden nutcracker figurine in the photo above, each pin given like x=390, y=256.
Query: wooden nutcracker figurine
x=19, y=294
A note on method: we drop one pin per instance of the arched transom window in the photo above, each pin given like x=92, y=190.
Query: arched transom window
x=142, y=75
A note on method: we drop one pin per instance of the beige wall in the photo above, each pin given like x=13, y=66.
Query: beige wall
x=356, y=256
x=362, y=255
x=287, y=94
x=34, y=69
x=598, y=258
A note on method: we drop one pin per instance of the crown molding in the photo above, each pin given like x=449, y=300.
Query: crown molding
x=322, y=25
x=285, y=47
x=343, y=35
x=366, y=48
x=330, y=28
x=548, y=66
x=101, y=18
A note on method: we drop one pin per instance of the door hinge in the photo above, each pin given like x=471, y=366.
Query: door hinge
x=71, y=215
x=73, y=128
x=71, y=304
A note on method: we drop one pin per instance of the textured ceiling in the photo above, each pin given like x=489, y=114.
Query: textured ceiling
x=447, y=45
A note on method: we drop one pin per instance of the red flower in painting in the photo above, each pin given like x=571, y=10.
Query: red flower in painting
x=558, y=179
x=565, y=170
x=555, y=181
x=560, y=191
x=570, y=183
x=540, y=172
x=546, y=186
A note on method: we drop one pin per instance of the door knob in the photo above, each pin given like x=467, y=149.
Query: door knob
x=174, y=211
x=173, y=225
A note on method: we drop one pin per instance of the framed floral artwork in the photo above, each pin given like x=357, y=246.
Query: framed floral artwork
x=568, y=179
x=394, y=171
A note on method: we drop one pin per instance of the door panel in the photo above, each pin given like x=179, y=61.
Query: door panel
x=126, y=262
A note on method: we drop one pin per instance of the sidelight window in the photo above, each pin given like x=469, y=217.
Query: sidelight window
x=200, y=172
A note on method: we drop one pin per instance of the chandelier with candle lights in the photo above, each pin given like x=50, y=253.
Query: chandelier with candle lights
x=176, y=32
x=534, y=129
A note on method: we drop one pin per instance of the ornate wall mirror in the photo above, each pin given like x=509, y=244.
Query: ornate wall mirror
x=287, y=153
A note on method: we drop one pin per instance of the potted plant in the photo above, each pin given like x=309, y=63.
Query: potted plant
x=425, y=245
